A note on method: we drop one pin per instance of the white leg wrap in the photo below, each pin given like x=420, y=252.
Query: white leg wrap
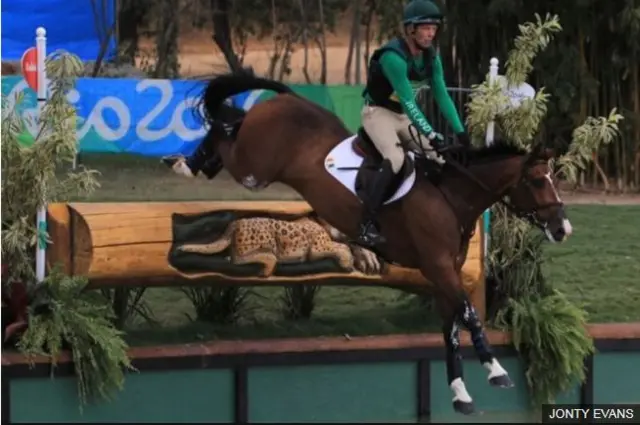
x=494, y=368
x=181, y=168
x=460, y=391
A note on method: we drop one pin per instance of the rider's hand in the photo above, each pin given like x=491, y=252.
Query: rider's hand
x=436, y=140
x=435, y=136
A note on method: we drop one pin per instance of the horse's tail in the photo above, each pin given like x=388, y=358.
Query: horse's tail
x=214, y=247
x=224, y=86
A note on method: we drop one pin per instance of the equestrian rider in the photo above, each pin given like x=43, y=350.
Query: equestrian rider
x=390, y=106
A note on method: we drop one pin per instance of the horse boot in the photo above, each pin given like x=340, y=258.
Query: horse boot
x=191, y=165
x=373, y=200
x=212, y=167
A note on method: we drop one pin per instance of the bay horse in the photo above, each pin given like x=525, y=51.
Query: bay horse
x=427, y=222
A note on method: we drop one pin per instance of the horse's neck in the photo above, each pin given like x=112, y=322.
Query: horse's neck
x=472, y=198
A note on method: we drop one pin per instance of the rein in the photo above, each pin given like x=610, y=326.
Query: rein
x=530, y=216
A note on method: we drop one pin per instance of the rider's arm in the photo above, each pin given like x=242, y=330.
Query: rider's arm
x=395, y=69
x=442, y=97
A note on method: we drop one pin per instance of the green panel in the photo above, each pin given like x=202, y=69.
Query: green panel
x=570, y=397
x=497, y=404
x=164, y=396
x=616, y=378
x=348, y=101
x=354, y=392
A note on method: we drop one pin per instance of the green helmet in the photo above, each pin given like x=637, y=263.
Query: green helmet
x=421, y=12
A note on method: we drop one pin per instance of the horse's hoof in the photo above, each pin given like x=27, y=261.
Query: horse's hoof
x=502, y=381
x=169, y=161
x=464, y=407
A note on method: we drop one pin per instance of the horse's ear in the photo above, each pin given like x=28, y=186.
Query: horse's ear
x=540, y=151
x=548, y=153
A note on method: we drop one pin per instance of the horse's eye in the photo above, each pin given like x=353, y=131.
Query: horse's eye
x=538, y=183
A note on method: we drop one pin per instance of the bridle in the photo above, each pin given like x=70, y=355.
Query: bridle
x=530, y=216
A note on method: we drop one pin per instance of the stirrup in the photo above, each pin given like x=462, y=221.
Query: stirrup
x=369, y=235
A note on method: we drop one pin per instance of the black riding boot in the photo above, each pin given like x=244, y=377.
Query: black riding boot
x=373, y=199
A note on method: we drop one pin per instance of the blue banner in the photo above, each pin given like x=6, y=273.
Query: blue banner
x=151, y=117
x=72, y=25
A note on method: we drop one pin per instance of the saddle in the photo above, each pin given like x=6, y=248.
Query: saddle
x=364, y=147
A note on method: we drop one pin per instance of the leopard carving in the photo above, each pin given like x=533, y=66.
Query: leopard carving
x=269, y=241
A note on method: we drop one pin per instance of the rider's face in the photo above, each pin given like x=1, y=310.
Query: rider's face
x=424, y=34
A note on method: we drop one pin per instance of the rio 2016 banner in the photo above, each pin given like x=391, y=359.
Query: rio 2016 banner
x=155, y=117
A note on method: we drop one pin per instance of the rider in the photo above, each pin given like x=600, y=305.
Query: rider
x=390, y=107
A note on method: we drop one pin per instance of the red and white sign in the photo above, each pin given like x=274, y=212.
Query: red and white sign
x=29, y=63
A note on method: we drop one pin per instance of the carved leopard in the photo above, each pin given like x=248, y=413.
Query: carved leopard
x=269, y=241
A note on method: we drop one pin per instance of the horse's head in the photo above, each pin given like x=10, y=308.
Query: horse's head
x=536, y=197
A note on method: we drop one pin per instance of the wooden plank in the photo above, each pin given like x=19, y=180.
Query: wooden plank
x=122, y=244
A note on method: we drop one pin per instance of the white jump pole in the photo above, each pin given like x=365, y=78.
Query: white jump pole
x=489, y=136
x=493, y=73
x=41, y=47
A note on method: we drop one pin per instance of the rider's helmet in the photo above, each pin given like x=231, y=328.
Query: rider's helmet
x=421, y=12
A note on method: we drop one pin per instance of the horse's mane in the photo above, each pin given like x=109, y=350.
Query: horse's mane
x=499, y=149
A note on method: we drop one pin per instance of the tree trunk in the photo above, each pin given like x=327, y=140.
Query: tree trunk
x=368, y=33
x=167, y=40
x=352, y=44
x=635, y=100
x=129, y=20
x=222, y=32
x=275, y=56
x=305, y=41
x=322, y=42
x=356, y=20
x=104, y=30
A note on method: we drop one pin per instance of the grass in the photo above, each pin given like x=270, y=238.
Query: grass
x=340, y=312
x=598, y=267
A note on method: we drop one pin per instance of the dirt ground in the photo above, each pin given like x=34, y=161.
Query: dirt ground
x=199, y=56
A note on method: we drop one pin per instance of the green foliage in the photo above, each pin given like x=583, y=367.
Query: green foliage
x=548, y=331
x=533, y=38
x=30, y=174
x=298, y=301
x=489, y=100
x=586, y=140
x=63, y=312
x=551, y=335
x=219, y=304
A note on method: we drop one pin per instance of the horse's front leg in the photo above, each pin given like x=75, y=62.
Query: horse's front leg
x=498, y=377
x=454, y=307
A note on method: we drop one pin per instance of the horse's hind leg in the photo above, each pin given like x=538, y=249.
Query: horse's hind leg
x=469, y=318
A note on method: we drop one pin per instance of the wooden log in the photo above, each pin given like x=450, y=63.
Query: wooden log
x=133, y=244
